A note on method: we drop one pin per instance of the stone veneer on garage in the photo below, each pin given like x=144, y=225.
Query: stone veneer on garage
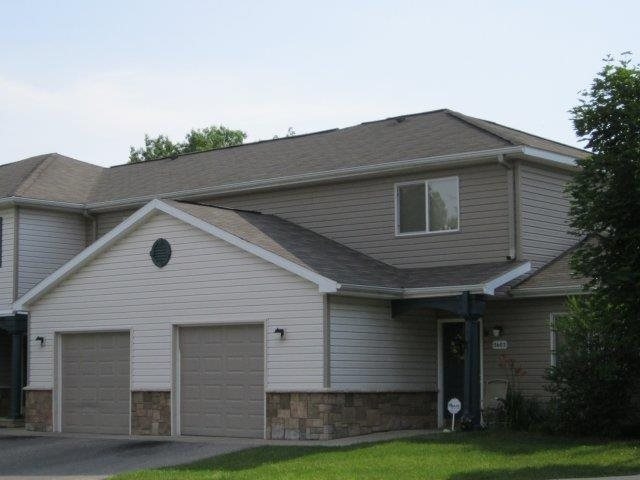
x=322, y=416
x=38, y=411
x=151, y=413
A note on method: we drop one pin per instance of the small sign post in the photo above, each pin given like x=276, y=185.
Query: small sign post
x=453, y=407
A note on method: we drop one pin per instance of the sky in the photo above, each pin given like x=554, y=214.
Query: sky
x=88, y=79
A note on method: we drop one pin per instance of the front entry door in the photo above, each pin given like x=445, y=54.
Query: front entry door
x=453, y=346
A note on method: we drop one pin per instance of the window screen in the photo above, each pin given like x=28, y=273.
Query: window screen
x=412, y=208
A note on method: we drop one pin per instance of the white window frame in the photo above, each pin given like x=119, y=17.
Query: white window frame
x=396, y=188
x=553, y=337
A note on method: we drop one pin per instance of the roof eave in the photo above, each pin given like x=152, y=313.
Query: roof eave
x=488, y=287
x=42, y=203
x=556, y=291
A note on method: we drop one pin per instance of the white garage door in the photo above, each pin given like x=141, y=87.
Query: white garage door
x=222, y=381
x=95, y=383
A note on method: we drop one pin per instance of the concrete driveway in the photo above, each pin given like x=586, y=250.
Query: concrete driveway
x=24, y=456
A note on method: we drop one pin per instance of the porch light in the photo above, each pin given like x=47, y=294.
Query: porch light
x=497, y=331
x=281, y=332
x=41, y=340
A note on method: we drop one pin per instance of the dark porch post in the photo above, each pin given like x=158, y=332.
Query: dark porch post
x=16, y=374
x=471, y=410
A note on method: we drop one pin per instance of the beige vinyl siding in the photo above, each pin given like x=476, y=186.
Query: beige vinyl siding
x=207, y=281
x=544, y=214
x=6, y=270
x=371, y=351
x=47, y=239
x=361, y=215
x=109, y=220
x=527, y=330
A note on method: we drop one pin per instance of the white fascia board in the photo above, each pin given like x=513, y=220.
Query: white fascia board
x=452, y=160
x=553, y=157
x=7, y=313
x=489, y=288
x=84, y=256
x=325, y=285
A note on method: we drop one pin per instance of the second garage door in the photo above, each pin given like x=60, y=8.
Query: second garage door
x=95, y=383
x=222, y=381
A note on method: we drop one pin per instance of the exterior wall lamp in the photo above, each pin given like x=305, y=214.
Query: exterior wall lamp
x=497, y=331
x=281, y=332
x=41, y=340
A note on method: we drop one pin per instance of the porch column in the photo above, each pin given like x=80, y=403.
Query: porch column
x=471, y=407
x=16, y=374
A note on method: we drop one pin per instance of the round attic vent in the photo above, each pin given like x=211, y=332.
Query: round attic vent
x=160, y=252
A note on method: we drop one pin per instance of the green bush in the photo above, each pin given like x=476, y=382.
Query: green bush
x=596, y=378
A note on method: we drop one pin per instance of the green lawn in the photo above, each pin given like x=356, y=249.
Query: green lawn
x=490, y=456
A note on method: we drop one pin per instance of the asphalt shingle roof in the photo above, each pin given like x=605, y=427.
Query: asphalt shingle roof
x=429, y=134
x=332, y=259
x=555, y=274
x=49, y=177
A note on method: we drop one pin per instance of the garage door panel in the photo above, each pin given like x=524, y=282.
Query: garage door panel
x=221, y=376
x=95, y=383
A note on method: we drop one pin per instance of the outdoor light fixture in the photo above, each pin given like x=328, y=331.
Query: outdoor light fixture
x=41, y=340
x=280, y=331
x=497, y=331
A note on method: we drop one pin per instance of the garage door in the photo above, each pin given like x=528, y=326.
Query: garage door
x=95, y=383
x=221, y=379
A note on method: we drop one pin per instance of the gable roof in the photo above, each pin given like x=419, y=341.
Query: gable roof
x=439, y=136
x=425, y=135
x=51, y=177
x=334, y=267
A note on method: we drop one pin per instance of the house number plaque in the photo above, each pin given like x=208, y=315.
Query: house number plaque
x=499, y=345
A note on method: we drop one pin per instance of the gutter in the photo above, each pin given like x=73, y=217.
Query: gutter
x=559, y=291
x=486, y=288
x=37, y=202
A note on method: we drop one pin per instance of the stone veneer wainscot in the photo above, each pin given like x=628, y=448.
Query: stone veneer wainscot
x=38, y=411
x=151, y=413
x=322, y=416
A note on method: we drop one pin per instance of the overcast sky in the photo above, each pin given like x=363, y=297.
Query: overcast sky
x=88, y=81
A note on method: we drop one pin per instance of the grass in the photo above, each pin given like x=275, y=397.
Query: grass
x=476, y=456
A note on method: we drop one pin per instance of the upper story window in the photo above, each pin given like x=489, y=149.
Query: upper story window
x=427, y=206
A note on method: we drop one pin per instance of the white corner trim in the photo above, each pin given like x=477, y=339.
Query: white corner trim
x=490, y=287
x=325, y=285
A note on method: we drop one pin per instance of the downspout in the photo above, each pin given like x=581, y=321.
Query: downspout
x=511, y=207
x=91, y=233
x=16, y=252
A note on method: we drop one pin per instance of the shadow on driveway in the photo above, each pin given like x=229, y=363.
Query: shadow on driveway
x=57, y=456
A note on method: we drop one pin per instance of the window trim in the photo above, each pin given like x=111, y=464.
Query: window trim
x=553, y=337
x=396, y=187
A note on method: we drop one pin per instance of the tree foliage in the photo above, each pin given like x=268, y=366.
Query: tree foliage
x=197, y=140
x=597, y=379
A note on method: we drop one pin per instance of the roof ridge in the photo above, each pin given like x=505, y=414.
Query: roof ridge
x=228, y=147
x=473, y=122
x=30, y=178
x=292, y=137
